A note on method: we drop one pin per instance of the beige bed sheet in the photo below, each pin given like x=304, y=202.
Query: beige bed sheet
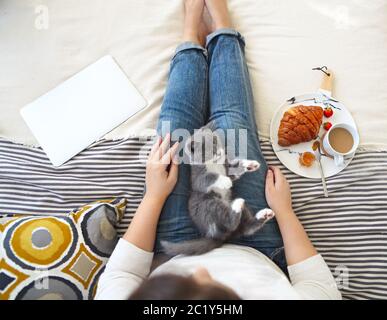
x=42, y=43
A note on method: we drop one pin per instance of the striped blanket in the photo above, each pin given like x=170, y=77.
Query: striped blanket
x=349, y=228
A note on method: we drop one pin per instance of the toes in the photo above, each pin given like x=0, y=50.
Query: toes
x=265, y=214
x=250, y=165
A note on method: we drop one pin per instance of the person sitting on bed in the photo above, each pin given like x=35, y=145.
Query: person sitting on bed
x=254, y=267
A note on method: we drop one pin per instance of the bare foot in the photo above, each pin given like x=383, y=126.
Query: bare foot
x=204, y=31
x=193, y=21
x=219, y=13
x=265, y=214
x=207, y=20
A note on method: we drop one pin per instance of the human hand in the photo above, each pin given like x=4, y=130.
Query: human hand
x=158, y=180
x=277, y=192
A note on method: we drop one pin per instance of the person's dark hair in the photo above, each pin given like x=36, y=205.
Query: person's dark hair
x=173, y=287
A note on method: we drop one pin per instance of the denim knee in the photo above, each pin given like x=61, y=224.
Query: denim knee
x=190, y=46
x=225, y=31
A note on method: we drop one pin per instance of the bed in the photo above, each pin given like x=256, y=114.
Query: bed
x=349, y=228
x=45, y=42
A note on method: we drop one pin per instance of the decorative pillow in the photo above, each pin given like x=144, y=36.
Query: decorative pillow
x=46, y=257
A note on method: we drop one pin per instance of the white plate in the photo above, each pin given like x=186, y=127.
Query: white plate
x=289, y=155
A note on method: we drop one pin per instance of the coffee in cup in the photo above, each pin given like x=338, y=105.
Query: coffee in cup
x=341, y=139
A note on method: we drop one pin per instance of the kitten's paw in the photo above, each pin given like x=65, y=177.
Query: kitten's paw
x=251, y=165
x=237, y=205
x=223, y=183
x=265, y=214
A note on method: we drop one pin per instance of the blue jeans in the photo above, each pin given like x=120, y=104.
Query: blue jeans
x=205, y=85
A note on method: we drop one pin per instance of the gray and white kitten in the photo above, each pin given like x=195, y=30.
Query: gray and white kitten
x=215, y=213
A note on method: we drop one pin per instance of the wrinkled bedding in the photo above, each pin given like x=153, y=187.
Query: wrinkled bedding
x=43, y=42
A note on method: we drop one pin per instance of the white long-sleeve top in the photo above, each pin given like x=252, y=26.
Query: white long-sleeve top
x=245, y=270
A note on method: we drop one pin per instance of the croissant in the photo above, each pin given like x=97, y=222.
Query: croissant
x=299, y=124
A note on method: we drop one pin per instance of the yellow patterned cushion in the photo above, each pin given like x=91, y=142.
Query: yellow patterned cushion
x=47, y=257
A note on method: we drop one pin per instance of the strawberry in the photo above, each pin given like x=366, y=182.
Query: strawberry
x=328, y=112
x=327, y=125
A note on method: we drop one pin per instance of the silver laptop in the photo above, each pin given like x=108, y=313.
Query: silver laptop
x=81, y=110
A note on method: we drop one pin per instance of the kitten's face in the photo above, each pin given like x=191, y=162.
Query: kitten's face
x=205, y=147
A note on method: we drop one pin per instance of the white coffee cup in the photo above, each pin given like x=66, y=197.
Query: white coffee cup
x=339, y=156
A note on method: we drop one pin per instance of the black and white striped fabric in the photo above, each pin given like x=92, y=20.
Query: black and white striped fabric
x=29, y=184
x=349, y=228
